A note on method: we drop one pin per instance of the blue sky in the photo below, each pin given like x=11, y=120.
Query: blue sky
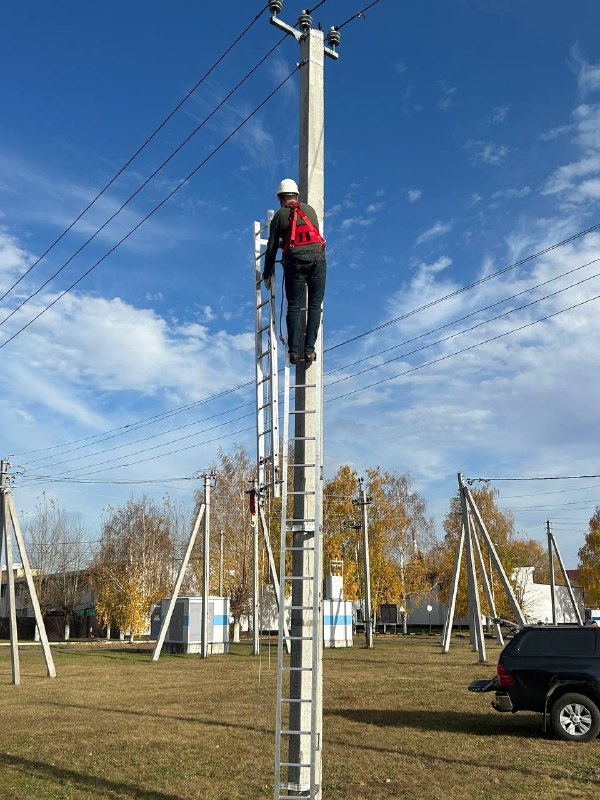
x=460, y=138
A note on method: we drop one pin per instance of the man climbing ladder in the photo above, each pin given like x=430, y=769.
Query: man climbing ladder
x=295, y=228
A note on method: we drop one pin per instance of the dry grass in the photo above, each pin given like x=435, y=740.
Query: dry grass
x=398, y=723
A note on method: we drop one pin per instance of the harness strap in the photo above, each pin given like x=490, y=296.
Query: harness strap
x=309, y=232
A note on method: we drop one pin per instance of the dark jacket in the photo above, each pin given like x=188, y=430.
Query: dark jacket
x=278, y=232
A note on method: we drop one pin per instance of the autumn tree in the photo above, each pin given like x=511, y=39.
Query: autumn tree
x=230, y=512
x=132, y=569
x=589, y=562
x=59, y=557
x=399, y=534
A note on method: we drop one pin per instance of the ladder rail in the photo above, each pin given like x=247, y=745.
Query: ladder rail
x=282, y=569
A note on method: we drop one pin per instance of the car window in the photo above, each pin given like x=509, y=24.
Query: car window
x=550, y=641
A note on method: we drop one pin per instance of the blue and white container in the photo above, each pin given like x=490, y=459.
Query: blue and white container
x=185, y=629
x=337, y=623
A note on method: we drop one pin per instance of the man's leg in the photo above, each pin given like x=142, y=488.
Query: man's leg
x=295, y=280
x=316, y=291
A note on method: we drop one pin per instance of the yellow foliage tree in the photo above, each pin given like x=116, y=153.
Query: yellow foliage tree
x=399, y=532
x=589, y=562
x=132, y=568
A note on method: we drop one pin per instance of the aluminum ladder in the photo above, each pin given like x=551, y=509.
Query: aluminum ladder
x=267, y=385
x=298, y=710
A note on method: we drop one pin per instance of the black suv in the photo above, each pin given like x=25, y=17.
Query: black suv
x=554, y=670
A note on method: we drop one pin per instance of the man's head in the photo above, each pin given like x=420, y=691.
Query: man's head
x=287, y=192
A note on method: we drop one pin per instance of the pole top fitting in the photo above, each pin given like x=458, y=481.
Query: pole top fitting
x=305, y=21
x=275, y=6
x=333, y=37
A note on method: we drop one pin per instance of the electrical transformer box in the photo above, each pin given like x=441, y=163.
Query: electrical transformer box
x=184, y=634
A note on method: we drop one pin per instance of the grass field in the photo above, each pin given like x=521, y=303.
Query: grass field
x=398, y=723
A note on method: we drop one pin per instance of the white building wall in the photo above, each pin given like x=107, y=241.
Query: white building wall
x=536, y=602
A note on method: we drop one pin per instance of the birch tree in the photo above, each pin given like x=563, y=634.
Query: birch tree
x=589, y=562
x=132, y=569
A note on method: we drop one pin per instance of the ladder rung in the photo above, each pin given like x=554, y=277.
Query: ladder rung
x=264, y=380
x=295, y=733
x=300, y=638
x=293, y=466
x=303, y=438
x=264, y=433
x=303, y=386
x=299, y=549
x=295, y=519
x=264, y=303
x=305, y=411
x=301, y=493
x=301, y=608
x=293, y=796
x=299, y=578
x=294, y=700
x=297, y=669
x=264, y=352
x=264, y=405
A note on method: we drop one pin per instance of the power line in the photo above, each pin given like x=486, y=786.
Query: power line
x=137, y=152
x=467, y=287
x=144, y=183
x=459, y=333
x=465, y=350
x=358, y=15
x=144, y=422
x=222, y=413
x=156, y=208
x=236, y=419
x=536, y=478
x=474, y=313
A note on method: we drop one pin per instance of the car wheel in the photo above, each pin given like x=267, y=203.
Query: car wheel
x=575, y=718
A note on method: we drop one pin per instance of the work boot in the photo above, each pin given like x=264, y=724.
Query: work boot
x=310, y=356
x=294, y=358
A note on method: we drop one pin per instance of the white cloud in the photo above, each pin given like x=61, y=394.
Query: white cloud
x=447, y=99
x=499, y=114
x=351, y=222
x=412, y=195
x=588, y=75
x=439, y=228
x=481, y=152
x=511, y=194
x=400, y=67
x=576, y=182
x=373, y=208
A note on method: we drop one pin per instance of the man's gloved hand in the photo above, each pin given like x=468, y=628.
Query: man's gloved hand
x=267, y=283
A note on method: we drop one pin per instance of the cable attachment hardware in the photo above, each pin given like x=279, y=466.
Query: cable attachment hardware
x=305, y=21
x=275, y=7
x=333, y=37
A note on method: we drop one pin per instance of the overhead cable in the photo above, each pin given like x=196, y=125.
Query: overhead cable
x=357, y=15
x=137, y=152
x=143, y=184
x=467, y=287
x=339, y=380
x=156, y=208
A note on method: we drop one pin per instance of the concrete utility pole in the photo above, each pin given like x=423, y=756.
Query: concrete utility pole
x=364, y=501
x=6, y=533
x=255, y=581
x=306, y=711
x=209, y=478
x=551, y=564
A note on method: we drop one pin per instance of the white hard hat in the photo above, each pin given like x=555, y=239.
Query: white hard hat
x=287, y=186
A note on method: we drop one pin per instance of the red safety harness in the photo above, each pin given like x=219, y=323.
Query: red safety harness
x=306, y=234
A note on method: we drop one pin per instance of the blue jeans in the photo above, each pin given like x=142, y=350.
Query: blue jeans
x=298, y=274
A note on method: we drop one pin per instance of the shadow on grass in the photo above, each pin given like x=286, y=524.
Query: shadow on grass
x=528, y=726
x=89, y=783
x=149, y=714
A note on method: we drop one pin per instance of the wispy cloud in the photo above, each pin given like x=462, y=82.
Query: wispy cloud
x=412, y=195
x=499, y=115
x=350, y=222
x=588, y=75
x=439, y=228
x=447, y=98
x=511, y=194
x=481, y=152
